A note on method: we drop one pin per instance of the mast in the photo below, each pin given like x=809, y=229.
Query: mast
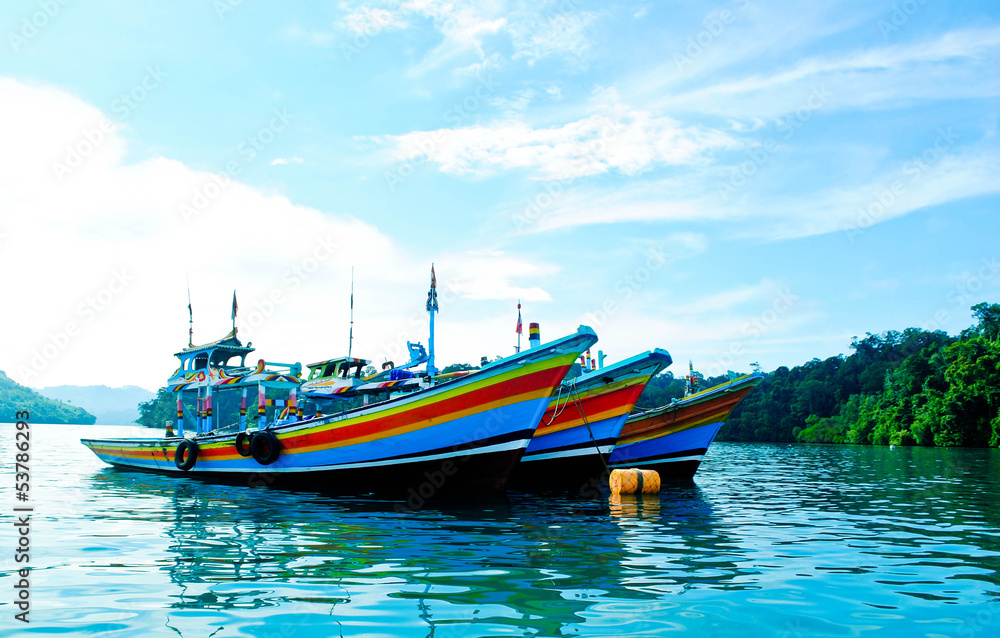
x=519, y=329
x=432, y=308
x=235, y=308
x=350, y=336
x=190, y=317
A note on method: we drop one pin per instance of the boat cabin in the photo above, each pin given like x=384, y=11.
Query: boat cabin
x=225, y=354
x=339, y=368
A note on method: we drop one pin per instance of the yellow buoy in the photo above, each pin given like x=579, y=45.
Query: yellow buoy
x=634, y=482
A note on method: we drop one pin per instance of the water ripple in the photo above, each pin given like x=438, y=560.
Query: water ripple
x=775, y=540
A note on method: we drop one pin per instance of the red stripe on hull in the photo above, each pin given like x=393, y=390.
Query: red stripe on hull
x=621, y=401
x=520, y=385
x=714, y=409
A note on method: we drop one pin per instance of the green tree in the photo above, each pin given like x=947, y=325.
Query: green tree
x=158, y=410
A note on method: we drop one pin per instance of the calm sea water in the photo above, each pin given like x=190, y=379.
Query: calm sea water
x=769, y=540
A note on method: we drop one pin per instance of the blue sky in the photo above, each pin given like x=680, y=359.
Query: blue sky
x=738, y=182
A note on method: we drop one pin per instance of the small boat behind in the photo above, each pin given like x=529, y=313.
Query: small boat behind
x=583, y=421
x=674, y=439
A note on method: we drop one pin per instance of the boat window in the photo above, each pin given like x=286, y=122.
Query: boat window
x=222, y=359
x=201, y=361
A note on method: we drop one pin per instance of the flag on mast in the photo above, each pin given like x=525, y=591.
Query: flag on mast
x=519, y=329
x=432, y=295
x=235, y=308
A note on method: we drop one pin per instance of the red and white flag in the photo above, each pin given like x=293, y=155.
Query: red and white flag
x=519, y=329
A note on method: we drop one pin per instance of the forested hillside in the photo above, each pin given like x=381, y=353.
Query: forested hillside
x=906, y=388
x=15, y=397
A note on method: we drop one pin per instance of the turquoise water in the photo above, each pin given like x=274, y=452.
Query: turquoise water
x=769, y=540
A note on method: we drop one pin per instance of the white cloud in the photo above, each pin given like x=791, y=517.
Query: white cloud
x=558, y=33
x=534, y=30
x=908, y=187
x=616, y=138
x=285, y=160
x=314, y=38
x=72, y=243
x=727, y=300
x=953, y=65
x=371, y=20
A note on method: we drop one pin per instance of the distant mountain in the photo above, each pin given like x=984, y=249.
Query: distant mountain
x=111, y=406
x=14, y=397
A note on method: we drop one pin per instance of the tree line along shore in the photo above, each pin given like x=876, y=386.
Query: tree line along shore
x=915, y=387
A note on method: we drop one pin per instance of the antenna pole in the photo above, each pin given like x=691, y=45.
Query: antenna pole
x=350, y=338
x=519, y=325
x=432, y=308
x=190, y=317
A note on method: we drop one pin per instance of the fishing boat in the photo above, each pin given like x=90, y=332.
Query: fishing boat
x=674, y=439
x=462, y=435
x=583, y=420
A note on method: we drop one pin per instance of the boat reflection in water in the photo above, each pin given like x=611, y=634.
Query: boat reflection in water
x=523, y=562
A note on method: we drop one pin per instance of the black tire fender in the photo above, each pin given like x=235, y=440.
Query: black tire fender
x=191, y=448
x=264, y=447
x=243, y=444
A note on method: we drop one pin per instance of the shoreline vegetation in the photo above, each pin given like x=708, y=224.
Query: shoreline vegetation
x=15, y=397
x=915, y=387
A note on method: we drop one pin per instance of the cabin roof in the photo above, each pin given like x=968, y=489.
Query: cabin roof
x=353, y=360
x=228, y=343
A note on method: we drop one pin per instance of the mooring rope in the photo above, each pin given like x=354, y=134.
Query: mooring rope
x=583, y=413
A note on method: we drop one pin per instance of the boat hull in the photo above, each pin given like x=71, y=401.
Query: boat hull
x=421, y=480
x=568, y=459
x=582, y=423
x=676, y=456
x=673, y=440
x=466, y=435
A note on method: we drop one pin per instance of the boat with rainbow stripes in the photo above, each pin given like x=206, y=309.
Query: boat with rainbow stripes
x=674, y=439
x=465, y=434
x=584, y=419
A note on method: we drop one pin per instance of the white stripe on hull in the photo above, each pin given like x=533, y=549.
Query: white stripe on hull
x=696, y=457
x=500, y=447
x=605, y=449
